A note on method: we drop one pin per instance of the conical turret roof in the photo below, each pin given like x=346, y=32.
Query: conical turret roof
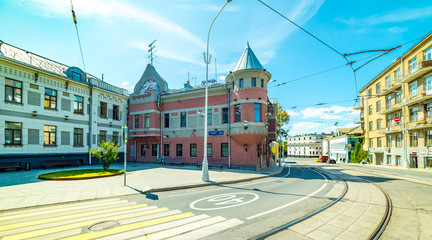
x=248, y=60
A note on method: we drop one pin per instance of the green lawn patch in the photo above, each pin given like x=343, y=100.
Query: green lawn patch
x=80, y=174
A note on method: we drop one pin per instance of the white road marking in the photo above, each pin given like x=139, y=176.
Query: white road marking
x=227, y=199
x=206, y=231
x=293, y=202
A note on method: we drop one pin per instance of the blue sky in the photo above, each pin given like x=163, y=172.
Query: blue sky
x=115, y=34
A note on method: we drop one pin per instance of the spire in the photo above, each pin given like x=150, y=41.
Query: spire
x=248, y=60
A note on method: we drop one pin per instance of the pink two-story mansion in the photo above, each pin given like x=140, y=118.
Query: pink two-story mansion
x=170, y=123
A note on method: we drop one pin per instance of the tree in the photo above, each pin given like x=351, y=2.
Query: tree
x=107, y=153
x=282, y=118
x=359, y=153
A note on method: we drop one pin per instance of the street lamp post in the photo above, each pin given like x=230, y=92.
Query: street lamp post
x=205, y=174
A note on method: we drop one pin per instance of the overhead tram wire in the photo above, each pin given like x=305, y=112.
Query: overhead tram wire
x=79, y=41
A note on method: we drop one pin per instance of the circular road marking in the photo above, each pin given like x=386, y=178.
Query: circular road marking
x=221, y=201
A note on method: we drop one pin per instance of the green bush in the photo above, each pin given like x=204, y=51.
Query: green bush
x=359, y=153
x=107, y=153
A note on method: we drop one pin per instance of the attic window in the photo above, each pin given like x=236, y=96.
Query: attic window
x=76, y=76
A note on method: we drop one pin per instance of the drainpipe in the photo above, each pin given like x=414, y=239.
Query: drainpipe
x=90, y=120
x=404, y=113
x=161, y=126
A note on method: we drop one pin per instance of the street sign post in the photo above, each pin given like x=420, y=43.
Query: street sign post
x=125, y=138
x=397, y=119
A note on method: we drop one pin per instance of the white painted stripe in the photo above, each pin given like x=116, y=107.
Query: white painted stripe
x=59, y=206
x=183, y=229
x=209, y=230
x=59, y=235
x=60, y=209
x=294, y=202
x=152, y=229
x=148, y=217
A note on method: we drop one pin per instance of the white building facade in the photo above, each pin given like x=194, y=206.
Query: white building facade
x=51, y=111
x=308, y=146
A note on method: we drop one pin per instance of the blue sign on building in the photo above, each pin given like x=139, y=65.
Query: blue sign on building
x=213, y=133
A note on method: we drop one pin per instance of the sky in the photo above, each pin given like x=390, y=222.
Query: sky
x=115, y=35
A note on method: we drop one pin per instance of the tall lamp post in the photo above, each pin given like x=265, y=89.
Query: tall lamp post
x=205, y=174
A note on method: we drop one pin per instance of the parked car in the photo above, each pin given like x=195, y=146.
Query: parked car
x=332, y=161
x=324, y=158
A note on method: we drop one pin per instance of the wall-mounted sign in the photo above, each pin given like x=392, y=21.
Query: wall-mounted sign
x=213, y=133
x=397, y=119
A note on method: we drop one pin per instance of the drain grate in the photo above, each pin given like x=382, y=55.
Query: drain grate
x=105, y=225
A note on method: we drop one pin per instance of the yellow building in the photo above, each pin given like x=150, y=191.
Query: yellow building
x=396, y=110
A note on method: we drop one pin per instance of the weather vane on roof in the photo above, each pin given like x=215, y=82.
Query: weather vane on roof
x=152, y=51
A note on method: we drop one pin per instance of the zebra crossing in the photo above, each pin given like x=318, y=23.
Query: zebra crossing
x=109, y=219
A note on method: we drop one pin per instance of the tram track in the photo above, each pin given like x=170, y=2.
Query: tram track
x=377, y=232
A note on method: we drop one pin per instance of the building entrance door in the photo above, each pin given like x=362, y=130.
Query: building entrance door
x=379, y=158
x=414, y=162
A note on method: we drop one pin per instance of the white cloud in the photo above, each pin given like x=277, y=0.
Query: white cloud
x=222, y=78
x=325, y=113
x=397, y=29
x=124, y=84
x=292, y=113
x=186, y=47
x=206, y=7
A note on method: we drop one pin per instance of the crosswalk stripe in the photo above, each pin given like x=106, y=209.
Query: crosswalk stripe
x=59, y=235
x=209, y=230
x=74, y=220
x=59, y=209
x=182, y=229
x=60, y=218
x=79, y=224
x=130, y=227
x=152, y=229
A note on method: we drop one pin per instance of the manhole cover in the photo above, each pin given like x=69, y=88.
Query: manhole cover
x=101, y=226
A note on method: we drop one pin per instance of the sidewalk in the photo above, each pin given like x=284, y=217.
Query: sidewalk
x=24, y=189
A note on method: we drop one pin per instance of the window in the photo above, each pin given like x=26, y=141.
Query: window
x=183, y=119
x=371, y=143
x=399, y=140
x=224, y=150
x=389, y=141
x=397, y=75
x=388, y=162
x=179, y=150
x=398, y=160
x=193, y=149
x=253, y=82
x=166, y=150
x=398, y=97
x=388, y=81
x=413, y=114
x=147, y=120
x=237, y=113
x=241, y=83
x=413, y=89
x=116, y=137
x=428, y=54
x=378, y=123
x=257, y=108
x=209, y=150
x=224, y=115
x=143, y=149
x=103, y=109
x=388, y=102
x=370, y=110
x=428, y=138
x=13, y=91
x=370, y=92
x=154, y=149
x=262, y=83
x=414, y=139
x=428, y=162
x=50, y=99
x=13, y=133
x=49, y=135
x=378, y=88
x=412, y=65
x=102, y=136
x=166, y=122
x=429, y=110
x=136, y=121
x=78, y=137
x=378, y=106
x=379, y=142
x=428, y=84
x=370, y=126
x=79, y=105
x=209, y=116
x=116, y=113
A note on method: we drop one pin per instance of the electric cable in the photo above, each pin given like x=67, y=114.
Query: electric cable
x=79, y=41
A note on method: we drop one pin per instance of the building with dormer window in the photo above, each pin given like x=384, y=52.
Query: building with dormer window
x=170, y=123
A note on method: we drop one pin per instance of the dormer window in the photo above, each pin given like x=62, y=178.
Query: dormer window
x=241, y=83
